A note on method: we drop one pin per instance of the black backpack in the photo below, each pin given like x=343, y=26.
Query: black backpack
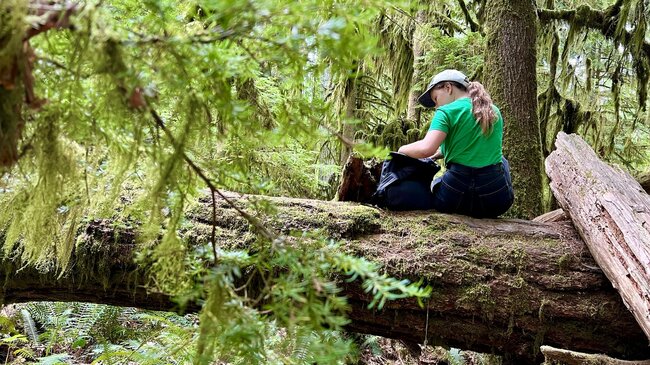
x=405, y=183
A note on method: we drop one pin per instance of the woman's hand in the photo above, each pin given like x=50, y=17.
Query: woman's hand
x=425, y=147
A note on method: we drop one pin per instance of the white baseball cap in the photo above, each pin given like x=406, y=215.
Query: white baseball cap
x=446, y=75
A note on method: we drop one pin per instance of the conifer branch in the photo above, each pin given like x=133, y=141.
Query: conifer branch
x=263, y=230
x=201, y=38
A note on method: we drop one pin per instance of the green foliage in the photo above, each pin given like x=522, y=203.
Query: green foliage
x=600, y=90
x=72, y=332
x=385, y=123
x=151, y=102
x=12, y=24
x=72, y=325
x=161, y=338
x=295, y=284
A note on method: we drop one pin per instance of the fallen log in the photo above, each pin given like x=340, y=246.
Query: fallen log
x=566, y=357
x=557, y=215
x=612, y=213
x=501, y=286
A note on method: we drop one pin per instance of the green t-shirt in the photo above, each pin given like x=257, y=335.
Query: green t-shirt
x=465, y=143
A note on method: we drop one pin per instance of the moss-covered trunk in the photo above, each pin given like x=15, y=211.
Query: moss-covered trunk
x=503, y=286
x=417, y=83
x=348, y=129
x=510, y=77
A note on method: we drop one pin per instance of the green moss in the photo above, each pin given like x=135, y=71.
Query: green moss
x=518, y=282
x=564, y=261
x=479, y=295
x=476, y=253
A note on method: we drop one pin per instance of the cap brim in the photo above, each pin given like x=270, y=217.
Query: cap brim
x=425, y=99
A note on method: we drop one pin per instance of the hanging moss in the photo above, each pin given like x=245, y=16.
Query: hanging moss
x=640, y=26
x=396, y=32
x=548, y=98
x=12, y=29
x=622, y=20
x=393, y=135
x=248, y=92
x=568, y=43
x=44, y=215
x=589, y=73
x=642, y=75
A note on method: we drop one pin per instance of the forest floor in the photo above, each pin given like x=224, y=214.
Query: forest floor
x=385, y=351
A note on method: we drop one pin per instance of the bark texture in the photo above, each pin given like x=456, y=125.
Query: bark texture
x=418, y=83
x=511, y=79
x=359, y=180
x=347, y=130
x=611, y=211
x=503, y=286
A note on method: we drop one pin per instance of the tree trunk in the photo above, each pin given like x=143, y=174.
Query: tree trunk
x=612, y=213
x=503, y=286
x=510, y=61
x=413, y=111
x=350, y=102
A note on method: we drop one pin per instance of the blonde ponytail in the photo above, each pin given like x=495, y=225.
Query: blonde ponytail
x=482, y=106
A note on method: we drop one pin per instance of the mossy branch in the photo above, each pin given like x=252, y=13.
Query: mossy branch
x=56, y=16
x=473, y=26
x=606, y=21
x=261, y=228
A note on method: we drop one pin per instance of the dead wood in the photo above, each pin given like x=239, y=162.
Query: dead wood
x=553, y=355
x=612, y=213
x=557, y=215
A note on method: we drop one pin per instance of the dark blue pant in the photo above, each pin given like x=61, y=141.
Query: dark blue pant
x=478, y=192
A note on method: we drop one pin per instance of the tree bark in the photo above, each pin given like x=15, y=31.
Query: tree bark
x=611, y=211
x=350, y=103
x=359, y=180
x=16, y=78
x=413, y=112
x=511, y=79
x=503, y=286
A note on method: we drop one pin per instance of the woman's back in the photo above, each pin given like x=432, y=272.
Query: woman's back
x=467, y=130
x=466, y=144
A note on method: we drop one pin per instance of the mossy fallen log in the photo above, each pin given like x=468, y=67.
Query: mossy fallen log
x=502, y=286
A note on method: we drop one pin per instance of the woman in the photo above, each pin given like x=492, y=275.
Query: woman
x=467, y=130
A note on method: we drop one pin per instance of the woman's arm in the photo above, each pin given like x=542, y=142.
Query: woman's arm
x=425, y=147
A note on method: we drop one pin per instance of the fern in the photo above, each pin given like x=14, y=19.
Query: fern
x=29, y=325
